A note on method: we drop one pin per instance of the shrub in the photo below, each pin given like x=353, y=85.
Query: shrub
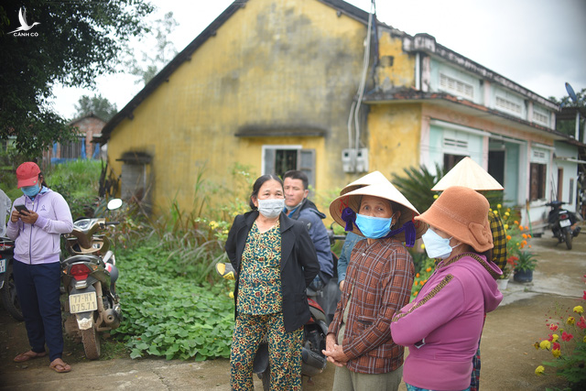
x=566, y=342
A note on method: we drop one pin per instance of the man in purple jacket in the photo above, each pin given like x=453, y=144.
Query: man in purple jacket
x=38, y=219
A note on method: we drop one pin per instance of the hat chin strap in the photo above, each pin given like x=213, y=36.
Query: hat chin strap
x=410, y=233
x=349, y=216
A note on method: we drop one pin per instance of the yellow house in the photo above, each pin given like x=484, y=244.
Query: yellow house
x=324, y=87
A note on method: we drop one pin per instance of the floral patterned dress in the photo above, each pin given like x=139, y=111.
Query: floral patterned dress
x=259, y=305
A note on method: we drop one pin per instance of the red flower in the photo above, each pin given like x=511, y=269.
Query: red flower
x=553, y=327
x=567, y=337
x=556, y=346
x=581, y=323
x=584, y=297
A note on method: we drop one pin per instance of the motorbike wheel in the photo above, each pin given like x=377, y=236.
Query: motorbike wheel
x=91, y=343
x=9, y=298
x=568, y=235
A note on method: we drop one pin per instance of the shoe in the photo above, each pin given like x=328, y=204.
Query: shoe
x=30, y=355
x=226, y=271
x=59, y=366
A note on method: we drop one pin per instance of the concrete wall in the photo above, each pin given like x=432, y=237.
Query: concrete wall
x=275, y=64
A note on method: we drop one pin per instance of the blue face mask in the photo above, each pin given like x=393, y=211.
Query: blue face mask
x=31, y=191
x=436, y=246
x=373, y=227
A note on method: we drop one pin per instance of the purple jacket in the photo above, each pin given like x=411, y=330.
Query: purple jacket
x=443, y=325
x=40, y=242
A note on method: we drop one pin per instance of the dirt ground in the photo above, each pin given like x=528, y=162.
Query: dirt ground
x=508, y=356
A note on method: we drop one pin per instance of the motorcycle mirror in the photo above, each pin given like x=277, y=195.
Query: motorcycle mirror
x=114, y=203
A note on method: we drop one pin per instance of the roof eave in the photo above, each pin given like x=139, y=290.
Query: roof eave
x=415, y=96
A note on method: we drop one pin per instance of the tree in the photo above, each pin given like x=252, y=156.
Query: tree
x=163, y=50
x=74, y=42
x=565, y=125
x=97, y=105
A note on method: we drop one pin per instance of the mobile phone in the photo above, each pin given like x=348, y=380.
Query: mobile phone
x=21, y=208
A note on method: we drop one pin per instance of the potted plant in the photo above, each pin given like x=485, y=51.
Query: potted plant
x=524, y=266
x=503, y=280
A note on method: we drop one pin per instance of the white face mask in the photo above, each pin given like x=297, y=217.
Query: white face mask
x=436, y=246
x=271, y=208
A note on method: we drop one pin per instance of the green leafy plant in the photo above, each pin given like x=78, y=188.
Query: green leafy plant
x=416, y=184
x=567, y=344
x=525, y=261
x=167, y=315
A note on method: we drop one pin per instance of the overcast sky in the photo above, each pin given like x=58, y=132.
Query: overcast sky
x=539, y=44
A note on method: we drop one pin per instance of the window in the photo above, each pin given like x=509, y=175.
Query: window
x=73, y=150
x=537, y=181
x=451, y=160
x=456, y=86
x=540, y=116
x=135, y=181
x=278, y=159
x=510, y=103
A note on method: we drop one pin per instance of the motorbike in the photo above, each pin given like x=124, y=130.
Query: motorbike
x=561, y=221
x=7, y=287
x=313, y=362
x=88, y=275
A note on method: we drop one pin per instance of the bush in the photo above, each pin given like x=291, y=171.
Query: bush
x=169, y=316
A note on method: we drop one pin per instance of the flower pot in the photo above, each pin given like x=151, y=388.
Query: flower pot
x=523, y=275
x=502, y=283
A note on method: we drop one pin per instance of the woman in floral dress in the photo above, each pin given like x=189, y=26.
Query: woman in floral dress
x=275, y=261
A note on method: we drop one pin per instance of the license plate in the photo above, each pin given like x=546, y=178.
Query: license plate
x=565, y=223
x=83, y=302
x=3, y=265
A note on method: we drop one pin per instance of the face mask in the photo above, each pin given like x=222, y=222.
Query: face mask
x=271, y=208
x=373, y=227
x=436, y=246
x=31, y=191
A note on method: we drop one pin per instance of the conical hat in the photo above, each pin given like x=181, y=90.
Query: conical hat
x=469, y=174
x=383, y=189
x=368, y=179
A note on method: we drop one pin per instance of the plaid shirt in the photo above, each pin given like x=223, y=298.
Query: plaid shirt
x=499, y=238
x=378, y=282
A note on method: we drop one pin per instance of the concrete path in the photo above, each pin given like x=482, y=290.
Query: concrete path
x=508, y=357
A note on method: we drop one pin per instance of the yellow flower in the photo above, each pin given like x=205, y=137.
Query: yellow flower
x=545, y=344
x=578, y=309
x=555, y=338
x=556, y=353
x=496, y=212
x=539, y=370
x=507, y=213
x=571, y=320
x=584, y=339
x=536, y=345
x=506, y=226
x=422, y=246
x=499, y=206
x=231, y=294
x=435, y=196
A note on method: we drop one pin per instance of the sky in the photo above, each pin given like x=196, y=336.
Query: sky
x=539, y=44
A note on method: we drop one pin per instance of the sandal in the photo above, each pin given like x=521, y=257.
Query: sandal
x=59, y=366
x=29, y=356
